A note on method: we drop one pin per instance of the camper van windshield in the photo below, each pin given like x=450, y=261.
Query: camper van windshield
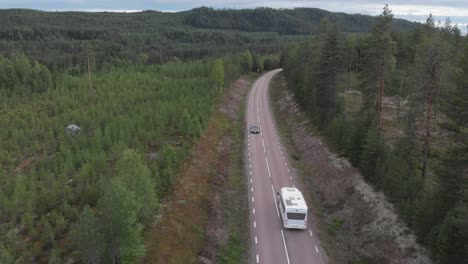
x=296, y=216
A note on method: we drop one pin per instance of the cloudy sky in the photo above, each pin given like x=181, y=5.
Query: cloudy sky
x=415, y=10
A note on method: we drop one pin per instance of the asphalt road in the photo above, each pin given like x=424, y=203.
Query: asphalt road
x=268, y=170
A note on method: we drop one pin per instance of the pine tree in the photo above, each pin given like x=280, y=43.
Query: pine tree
x=431, y=67
x=457, y=108
x=134, y=173
x=217, y=73
x=54, y=257
x=327, y=70
x=118, y=208
x=453, y=236
x=379, y=63
x=246, y=62
x=88, y=238
x=371, y=156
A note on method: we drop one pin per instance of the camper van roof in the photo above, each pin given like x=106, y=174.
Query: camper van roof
x=293, y=198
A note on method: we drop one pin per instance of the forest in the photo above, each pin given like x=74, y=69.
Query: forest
x=87, y=196
x=141, y=87
x=396, y=105
x=60, y=39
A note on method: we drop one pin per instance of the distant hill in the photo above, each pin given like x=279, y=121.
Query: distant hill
x=61, y=38
x=283, y=21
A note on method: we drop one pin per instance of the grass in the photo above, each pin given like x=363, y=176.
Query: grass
x=335, y=225
x=178, y=235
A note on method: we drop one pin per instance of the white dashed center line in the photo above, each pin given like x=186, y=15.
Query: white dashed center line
x=285, y=249
x=311, y=234
x=268, y=166
x=316, y=249
x=274, y=199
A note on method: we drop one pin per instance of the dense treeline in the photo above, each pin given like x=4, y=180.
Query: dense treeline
x=284, y=21
x=396, y=105
x=65, y=39
x=62, y=39
x=87, y=196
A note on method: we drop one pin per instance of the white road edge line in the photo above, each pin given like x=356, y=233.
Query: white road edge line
x=285, y=249
x=274, y=199
x=268, y=166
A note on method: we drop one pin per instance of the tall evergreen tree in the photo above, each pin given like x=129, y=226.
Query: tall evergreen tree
x=217, y=73
x=246, y=62
x=327, y=70
x=379, y=63
x=134, y=173
x=118, y=208
x=87, y=236
x=431, y=70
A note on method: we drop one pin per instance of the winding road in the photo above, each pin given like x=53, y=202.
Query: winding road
x=268, y=170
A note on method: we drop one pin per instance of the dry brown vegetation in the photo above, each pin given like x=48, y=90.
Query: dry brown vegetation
x=181, y=233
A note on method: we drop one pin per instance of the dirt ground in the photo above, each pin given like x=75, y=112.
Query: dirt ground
x=181, y=232
x=358, y=224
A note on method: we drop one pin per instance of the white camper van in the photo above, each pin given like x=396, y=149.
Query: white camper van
x=292, y=207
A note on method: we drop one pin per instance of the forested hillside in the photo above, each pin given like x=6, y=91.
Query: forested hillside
x=63, y=39
x=284, y=21
x=396, y=104
x=87, y=196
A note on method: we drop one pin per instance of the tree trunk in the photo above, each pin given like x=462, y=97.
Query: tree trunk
x=380, y=97
x=399, y=97
x=89, y=72
x=349, y=78
x=427, y=140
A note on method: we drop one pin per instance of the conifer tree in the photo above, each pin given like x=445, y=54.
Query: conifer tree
x=431, y=69
x=118, y=208
x=134, y=173
x=88, y=238
x=379, y=62
x=217, y=73
x=246, y=62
